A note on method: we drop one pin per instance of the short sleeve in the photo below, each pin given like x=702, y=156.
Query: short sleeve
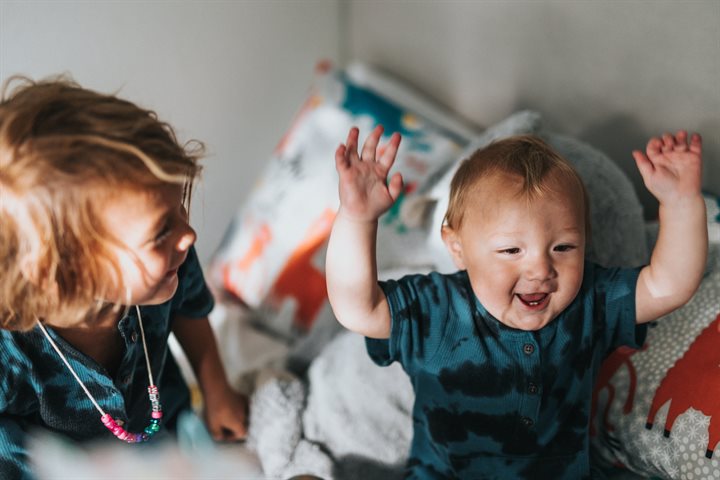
x=193, y=298
x=414, y=301
x=13, y=455
x=615, y=298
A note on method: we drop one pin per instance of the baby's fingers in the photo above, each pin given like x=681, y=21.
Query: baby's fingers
x=395, y=186
x=696, y=143
x=342, y=162
x=654, y=147
x=681, y=144
x=352, y=139
x=388, y=154
x=645, y=166
x=668, y=142
x=371, y=143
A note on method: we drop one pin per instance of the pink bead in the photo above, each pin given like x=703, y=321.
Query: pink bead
x=157, y=414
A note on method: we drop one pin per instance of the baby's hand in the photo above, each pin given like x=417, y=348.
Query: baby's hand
x=226, y=415
x=365, y=193
x=672, y=167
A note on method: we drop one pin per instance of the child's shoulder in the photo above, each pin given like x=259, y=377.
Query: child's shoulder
x=598, y=276
x=16, y=349
x=432, y=288
x=428, y=279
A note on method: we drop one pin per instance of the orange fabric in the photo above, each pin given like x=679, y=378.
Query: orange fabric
x=300, y=279
x=701, y=363
x=612, y=364
x=260, y=241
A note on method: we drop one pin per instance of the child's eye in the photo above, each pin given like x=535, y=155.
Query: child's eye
x=510, y=251
x=162, y=236
x=564, y=248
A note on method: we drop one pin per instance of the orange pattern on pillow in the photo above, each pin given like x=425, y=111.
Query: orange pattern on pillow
x=701, y=362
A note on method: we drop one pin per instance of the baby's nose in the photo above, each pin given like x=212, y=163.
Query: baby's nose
x=539, y=267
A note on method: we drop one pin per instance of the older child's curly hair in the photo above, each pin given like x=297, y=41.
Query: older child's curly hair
x=525, y=156
x=64, y=148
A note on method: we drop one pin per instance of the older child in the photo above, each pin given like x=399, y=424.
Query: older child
x=98, y=267
x=503, y=354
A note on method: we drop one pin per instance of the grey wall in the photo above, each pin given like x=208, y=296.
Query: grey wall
x=229, y=73
x=234, y=73
x=611, y=72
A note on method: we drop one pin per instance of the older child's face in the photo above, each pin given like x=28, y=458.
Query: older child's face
x=153, y=227
x=524, y=257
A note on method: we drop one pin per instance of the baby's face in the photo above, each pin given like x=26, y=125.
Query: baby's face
x=524, y=257
x=156, y=235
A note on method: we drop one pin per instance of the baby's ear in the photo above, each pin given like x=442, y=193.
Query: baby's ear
x=454, y=246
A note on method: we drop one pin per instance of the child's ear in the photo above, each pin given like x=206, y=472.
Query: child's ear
x=454, y=246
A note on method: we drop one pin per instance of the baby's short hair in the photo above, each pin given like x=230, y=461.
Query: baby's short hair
x=527, y=157
x=63, y=148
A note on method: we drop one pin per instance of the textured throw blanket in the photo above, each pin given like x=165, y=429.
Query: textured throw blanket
x=353, y=422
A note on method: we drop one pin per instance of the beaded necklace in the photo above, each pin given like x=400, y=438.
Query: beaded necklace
x=105, y=418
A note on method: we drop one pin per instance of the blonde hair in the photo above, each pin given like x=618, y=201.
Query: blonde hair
x=527, y=157
x=62, y=149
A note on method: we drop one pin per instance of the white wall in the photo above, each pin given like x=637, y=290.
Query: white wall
x=229, y=73
x=611, y=72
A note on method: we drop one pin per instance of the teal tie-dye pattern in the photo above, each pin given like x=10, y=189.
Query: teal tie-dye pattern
x=37, y=390
x=496, y=402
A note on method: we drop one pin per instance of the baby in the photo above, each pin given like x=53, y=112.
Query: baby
x=503, y=354
x=98, y=268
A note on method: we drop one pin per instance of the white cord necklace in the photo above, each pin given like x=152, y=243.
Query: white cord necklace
x=105, y=418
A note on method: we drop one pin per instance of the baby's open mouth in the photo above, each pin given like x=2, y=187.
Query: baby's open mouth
x=533, y=300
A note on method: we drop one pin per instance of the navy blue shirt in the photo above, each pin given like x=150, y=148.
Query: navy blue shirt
x=37, y=389
x=494, y=402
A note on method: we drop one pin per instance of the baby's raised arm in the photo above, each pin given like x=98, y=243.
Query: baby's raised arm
x=351, y=266
x=672, y=171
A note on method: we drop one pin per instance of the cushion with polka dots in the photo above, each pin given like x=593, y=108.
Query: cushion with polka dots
x=656, y=411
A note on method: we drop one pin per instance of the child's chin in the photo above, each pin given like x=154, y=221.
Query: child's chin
x=530, y=324
x=164, y=293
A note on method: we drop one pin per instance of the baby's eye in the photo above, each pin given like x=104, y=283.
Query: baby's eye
x=510, y=251
x=564, y=248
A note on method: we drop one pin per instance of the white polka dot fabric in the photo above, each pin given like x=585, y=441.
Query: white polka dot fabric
x=658, y=409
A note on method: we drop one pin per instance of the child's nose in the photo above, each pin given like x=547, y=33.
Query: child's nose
x=187, y=239
x=539, y=267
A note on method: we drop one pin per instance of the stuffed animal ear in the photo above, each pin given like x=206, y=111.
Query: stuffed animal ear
x=454, y=246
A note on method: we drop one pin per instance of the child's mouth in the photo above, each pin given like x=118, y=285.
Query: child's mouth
x=534, y=301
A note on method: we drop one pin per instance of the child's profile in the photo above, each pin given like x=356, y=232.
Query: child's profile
x=98, y=269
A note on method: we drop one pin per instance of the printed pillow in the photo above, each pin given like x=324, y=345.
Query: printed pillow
x=272, y=256
x=657, y=410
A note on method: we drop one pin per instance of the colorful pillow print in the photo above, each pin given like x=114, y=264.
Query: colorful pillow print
x=657, y=410
x=272, y=256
